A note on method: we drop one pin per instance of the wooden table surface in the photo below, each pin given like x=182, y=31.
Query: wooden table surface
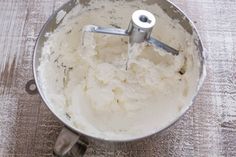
x=28, y=129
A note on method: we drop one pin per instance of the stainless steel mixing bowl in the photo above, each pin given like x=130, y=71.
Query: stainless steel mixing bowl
x=71, y=140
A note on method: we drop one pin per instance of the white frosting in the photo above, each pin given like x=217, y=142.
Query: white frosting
x=60, y=15
x=90, y=85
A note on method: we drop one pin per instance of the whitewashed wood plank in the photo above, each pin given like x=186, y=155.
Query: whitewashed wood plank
x=28, y=129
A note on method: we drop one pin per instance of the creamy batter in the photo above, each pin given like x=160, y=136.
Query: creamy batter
x=90, y=86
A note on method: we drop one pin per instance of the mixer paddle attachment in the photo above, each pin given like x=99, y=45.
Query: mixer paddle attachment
x=139, y=30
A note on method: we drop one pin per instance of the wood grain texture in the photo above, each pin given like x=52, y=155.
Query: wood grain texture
x=28, y=129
